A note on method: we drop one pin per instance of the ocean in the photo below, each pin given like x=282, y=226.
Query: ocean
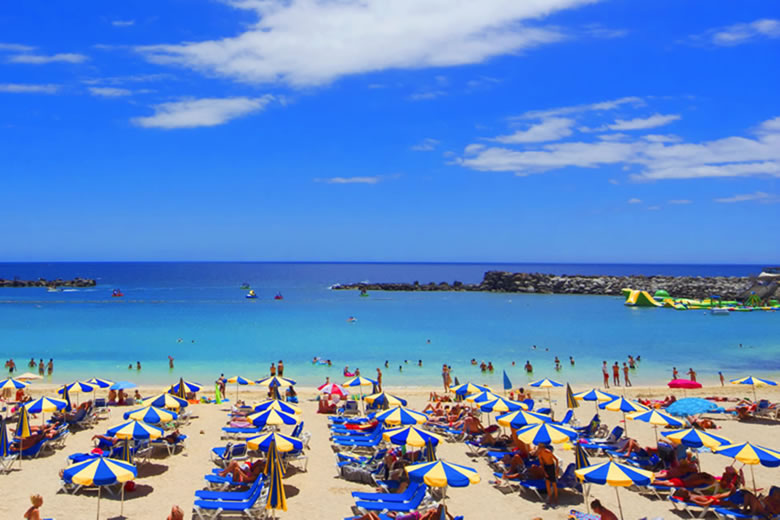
x=197, y=313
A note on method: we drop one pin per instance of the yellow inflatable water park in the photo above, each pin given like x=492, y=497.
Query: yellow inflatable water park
x=661, y=298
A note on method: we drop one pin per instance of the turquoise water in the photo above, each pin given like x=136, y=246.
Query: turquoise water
x=90, y=334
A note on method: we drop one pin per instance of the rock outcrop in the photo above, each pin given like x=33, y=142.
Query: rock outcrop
x=728, y=288
x=42, y=282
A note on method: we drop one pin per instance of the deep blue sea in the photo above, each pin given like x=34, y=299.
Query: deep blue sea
x=197, y=313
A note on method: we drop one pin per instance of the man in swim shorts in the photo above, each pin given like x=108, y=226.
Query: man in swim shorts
x=549, y=463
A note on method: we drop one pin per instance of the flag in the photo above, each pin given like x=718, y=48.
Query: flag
x=507, y=382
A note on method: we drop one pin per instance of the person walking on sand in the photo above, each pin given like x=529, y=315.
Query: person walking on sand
x=379, y=379
x=616, y=374
x=626, y=380
x=549, y=463
x=675, y=373
x=605, y=373
x=692, y=374
x=722, y=381
x=445, y=377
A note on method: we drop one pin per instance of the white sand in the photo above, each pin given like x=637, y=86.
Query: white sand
x=319, y=494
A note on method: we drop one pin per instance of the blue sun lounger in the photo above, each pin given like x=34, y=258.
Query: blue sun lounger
x=205, y=494
x=252, y=508
x=405, y=496
x=401, y=507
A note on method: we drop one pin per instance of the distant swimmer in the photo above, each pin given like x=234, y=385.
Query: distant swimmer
x=571, y=360
x=557, y=364
x=533, y=347
x=631, y=363
x=400, y=368
x=351, y=319
x=419, y=362
x=387, y=364
x=428, y=341
x=529, y=367
x=138, y=365
x=170, y=362
x=179, y=340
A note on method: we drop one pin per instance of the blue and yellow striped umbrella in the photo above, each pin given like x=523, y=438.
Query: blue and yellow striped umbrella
x=410, y=436
x=748, y=453
x=12, y=384
x=100, y=472
x=521, y=418
x=276, y=404
x=616, y=475
x=546, y=433
x=595, y=395
x=580, y=457
x=694, y=438
x=5, y=449
x=502, y=405
x=359, y=381
x=166, y=400
x=45, y=404
x=100, y=383
x=657, y=418
x=275, y=473
x=188, y=387
x=754, y=382
x=383, y=399
x=401, y=415
x=135, y=430
x=238, y=380
x=151, y=415
x=546, y=383
x=78, y=386
x=275, y=381
x=482, y=397
x=284, y=443
x=272, y=417
x=468, y=389
x=441, y=474
x=571, y=402
x=621, y=404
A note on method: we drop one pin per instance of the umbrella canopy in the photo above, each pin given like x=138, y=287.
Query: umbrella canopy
x=571, y=402
x=657, y=418
x=748, y=453
x=5, y=450
x=621, y=404
x=616, y=475
x=694, y=438
x=440, y=474
x=359, y=381
x=99, y=472
x=151, y=415
x=66, y=398
x=189, y=387
x=135, y=430
x=384, y=399
x=411, y=436
x=100, y=383
x=546, y=383
x=271, y=417
x=23, y=425
x=45, y=404
x=580, y=457
x=502, y=405
x=546, y=433
x=275, y=381
x=400, y=415
x=595, y=395
x=754, y=382
x=691, y=406
x=468, y=389
x=166, y=400
x=28, y=376
x=122, y=385
x=275, y=404
x=683, y=383
x=333, y=389
x=482, y=397
x=78, y=386
x=521, y=418
x=284, y=443
x=273, y=469
x=238, y=380
x=13, y=384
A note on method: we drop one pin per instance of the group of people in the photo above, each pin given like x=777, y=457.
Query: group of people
x=631, y=364
x=43, y=368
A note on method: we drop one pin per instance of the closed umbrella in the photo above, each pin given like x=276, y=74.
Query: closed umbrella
x=411, y=436
x=66, y=398
x=616, y=475
x=274, y=472
x=100, y=472
x=571, y=402
x=23, y=430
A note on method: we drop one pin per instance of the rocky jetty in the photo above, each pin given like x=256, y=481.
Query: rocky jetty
x=43, y=282
x=727, y=288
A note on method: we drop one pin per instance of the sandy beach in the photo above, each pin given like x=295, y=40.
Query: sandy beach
x=319, y=494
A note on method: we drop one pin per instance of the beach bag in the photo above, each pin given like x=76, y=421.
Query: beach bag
x=360, y=475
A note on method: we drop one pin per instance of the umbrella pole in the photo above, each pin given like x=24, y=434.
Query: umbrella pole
x=753, y=476
x=100, y=488
x=620, y=506
x=755, y=399
x=625, y=424
x=655, y=429
x=122, y=507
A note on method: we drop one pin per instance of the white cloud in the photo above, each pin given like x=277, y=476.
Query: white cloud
x=634, y=201
x=742, y=32
x=42, y=59
x=307, y=42
x=552, y=129
x=427, y=95
x=109, y=91
x=19, y=88
x=601, y=106
x=640, y=123
x=680, y=201
x=123, y=23
x=599, y=31
x=376, y=179
x=614, y=137
x=653, y=208
x=426, y=145
x=660, y=138
x=747, y=197
x=16, y=47
x=733, y=156
x=201, y=112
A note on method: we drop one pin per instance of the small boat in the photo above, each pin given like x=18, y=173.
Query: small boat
x=53, y=289
x=116, y=293
x=245, y=286
x=720, y=312
x=251, y=294
x=278, y=296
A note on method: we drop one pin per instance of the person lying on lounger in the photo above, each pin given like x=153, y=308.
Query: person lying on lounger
x=27, y=442
x=696, y=479
x=244, y=472
x=768, y=506
x=431, y=514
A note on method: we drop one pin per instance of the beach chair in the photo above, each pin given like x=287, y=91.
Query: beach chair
x=171, y=446
x=412, y=504
x=725, y=513
x=567, y=480
x=407, y=495
x=568, y=418
x=691, y=508
x=237, y=433
x=350, y=408
x=101, y=409
x=7, y=462
x=222, y=455
x=236, y=496
x=33, y=451
x=252, y=508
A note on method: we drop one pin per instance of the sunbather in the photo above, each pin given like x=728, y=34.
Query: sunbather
x=696, y=479
x=683, y=468
x=27, y=442
x=499, y=441
x=244, y=472
x=768, y=506
x=431, y=514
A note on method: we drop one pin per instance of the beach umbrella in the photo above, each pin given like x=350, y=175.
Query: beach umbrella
x=442, y=474
x=284, y=443
x=657, y=419
x=275, y=381
x=100, y=383
x=78, y=386
x=623, y=405
x=275, y=404
x=430, y=451
x=271, y=417
x=383, y=400
x=239, y=381
x=411, y=436
x=502, y=405
x=580, y=457
x=360, y=382
x=694, y=438
x=754, y=382
x=685, y=384
x=468, y=389
x=127, y=454
x=101, y=472
x=45, y=404
x=66, y=398
x=28, y=376
x=616, y=475
x=13, y=384
x=595, y=395
x=748, y=453
x=333, y=389
x=22, y=429
x=151, y=415
x=547, y=383
x=691, y=406
x=546, y=433
x=5, y=448
x=135, y=430
x=274, y=473
x=521, y=418
x=189, y=387
x=571, y=402
x=401, y=415
x=122, y=385
x=166, y=400
x=482, y=397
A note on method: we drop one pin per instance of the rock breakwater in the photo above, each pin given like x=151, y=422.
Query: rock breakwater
x=42, y=282
x=728, y=288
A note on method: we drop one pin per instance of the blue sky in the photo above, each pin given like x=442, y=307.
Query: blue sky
x=420, y=130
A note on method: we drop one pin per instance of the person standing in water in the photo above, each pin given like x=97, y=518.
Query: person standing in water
x=722, y=381
x=41, y=367
x=626, y=380
x=280, y=368
x=273, y=369
x=50, y=366
x=605, y=373
x=675, y=373
x=692, y=374
x=616, y=374
x=170, y=362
